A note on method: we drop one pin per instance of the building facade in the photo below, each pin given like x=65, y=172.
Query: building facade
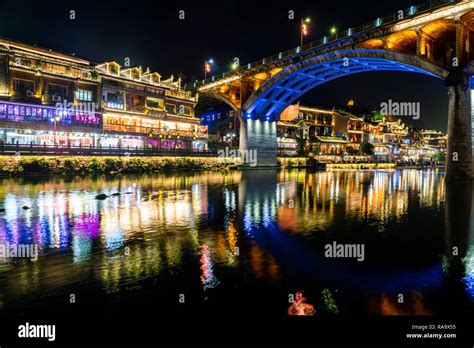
x=146, y=110
x=222, y=123
x=54, y=99
x=33, y=83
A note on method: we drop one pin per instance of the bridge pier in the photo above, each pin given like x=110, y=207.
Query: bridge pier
x=459, y=166
x=258, y=139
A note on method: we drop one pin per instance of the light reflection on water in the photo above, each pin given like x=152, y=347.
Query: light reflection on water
x=213, y=231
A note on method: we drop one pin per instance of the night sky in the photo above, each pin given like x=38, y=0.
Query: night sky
x=151, y=35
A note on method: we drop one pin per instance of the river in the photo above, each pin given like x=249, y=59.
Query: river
x=238, y=242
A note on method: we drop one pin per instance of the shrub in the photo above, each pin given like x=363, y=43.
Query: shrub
x=35, y=165
x=31, y=165
x=96, y=165
x=367, y=148
x=113, y=165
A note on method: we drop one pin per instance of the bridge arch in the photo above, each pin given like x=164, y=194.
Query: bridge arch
x=294, y=81
x=434, y=40
x=440, y=29
x=403, y=41
x=468, y=18
x=217, y=97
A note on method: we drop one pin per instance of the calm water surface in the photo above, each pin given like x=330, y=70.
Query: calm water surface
x=240, y=242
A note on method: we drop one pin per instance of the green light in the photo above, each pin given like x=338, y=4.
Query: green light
x=333, y=30
x=307, y=20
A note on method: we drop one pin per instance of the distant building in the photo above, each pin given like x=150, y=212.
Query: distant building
x=287, y=133
x=322, y=132
x=433, y=138
x=356, y=131
x=221, y=123
x=329, y=146
x=314, y=124
x=320, y=121
x=334, y=134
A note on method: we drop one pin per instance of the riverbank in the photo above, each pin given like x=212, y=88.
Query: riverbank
x=83, y=165
x=378, y=166
x=77, y=165
x=361, y=166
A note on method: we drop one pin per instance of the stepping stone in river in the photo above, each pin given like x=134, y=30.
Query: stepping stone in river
x=101, y=196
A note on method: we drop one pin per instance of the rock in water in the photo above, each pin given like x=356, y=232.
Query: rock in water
x=101, y=196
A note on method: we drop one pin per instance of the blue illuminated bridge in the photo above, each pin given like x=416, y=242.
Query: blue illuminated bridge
x=431, y=39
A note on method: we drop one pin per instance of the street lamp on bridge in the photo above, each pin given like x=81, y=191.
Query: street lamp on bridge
x=304, y=29
x=208, y=66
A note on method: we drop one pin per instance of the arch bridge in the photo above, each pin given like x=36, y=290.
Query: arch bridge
x=433, y=39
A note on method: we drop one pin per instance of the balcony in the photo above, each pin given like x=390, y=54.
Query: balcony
x=180, y=94
x=155, y=132
x=56, y=69
x=25, y=95
x=135, y=108
x=53, y=99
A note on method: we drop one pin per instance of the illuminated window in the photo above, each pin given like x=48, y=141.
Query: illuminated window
x=81, y=74
x=135, y=74
x=185, y=110
x=23, y=86
x=171, y=108
x=114, y=100
x=135, y=102
x=113, y=69
x=24, y=62
x=55, y=68
x=57, y=90
x=155, y=103
x=82, y=94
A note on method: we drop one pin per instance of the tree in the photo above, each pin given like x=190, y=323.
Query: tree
x=367, y=148
x=215, y=145
x=302, y=148
x=377, y=116
x=439, y=156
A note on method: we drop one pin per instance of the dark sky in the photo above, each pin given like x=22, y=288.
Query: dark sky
x=151, y=34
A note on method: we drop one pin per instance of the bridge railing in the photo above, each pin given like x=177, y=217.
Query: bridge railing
x=407, y=13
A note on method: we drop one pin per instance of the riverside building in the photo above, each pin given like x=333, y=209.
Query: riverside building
x=142, y=110
x=55, y=99
x=32, y=82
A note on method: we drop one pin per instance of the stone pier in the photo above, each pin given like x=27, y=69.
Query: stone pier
x=259, y=137
x=459, y=166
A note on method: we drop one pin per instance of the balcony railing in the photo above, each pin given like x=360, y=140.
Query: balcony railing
x=44, y=115
x=153, y=131
x=56, y=69
x=179, y=94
